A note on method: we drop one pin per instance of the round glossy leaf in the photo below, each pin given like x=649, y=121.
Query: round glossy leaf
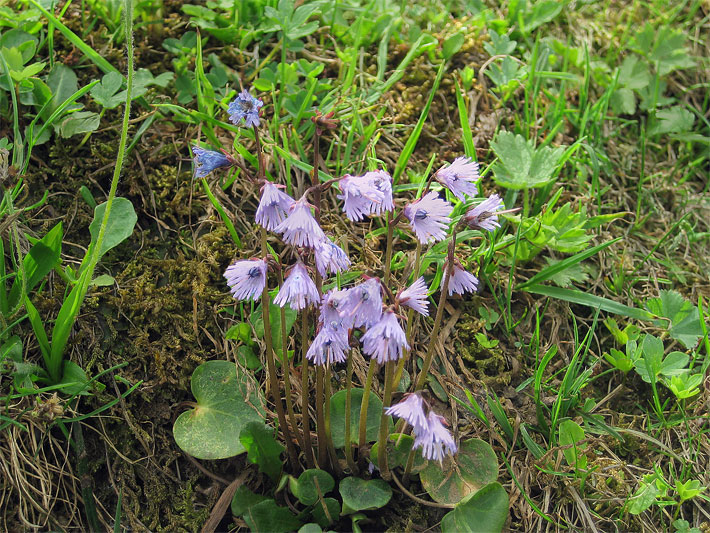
x=398, y=447
x=309, y=484
x=360, y=495
x=319, y=512
x=267, y=517
x=474, y=466
x=310, y=528
x=337, y=416
x=243, y=499
x=211, y=430
x=483, y=512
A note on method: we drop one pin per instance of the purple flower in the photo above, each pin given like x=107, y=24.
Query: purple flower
x=330, y=257
x=298, y=290
x=332, y=306
x=246, y=278
x=415, y=297
x=246, y=107
x=483, y=216
x=300, y=228
x=411, y=409
x=385, y=340
x=435, y=440
x=208, y=160
x=461, y=280
x=273, y=207
x=460, y=177
x=429, y=217
x=364, y=303
x=369, y=194
x=330, y=344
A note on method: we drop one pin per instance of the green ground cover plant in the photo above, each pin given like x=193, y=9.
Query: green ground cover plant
x=139, y=394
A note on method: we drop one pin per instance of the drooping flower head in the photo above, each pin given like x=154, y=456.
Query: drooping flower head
x=461, y=281
x=484, y=216
x=273, y=207
x=369, y=194
x=208, y=160
x=460, y=177
x=435, y=440
x=411, y=409
x=246, y=107
x=385, y=340
x=330, y=345
x=298, y=289
x=364, y=303
x=300, y=228
x=415, y=297
x=246, y=278
x=333, y=306
x=429, y=217
x=330, y=257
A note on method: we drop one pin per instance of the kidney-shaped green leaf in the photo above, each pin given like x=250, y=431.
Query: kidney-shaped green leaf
x=360, y=494
x=337, y=416
x=483, y=512
x=474, y=466
x=310, y=485
x=224, y=406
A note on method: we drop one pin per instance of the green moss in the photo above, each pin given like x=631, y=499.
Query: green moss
x=488, y=364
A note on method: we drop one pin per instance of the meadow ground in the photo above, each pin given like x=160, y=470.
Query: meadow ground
x=581, y=362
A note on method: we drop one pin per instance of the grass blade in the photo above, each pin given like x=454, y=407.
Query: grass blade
x=552, y=270
x=468, y=146
x=414, y=137
x=590, y=300
x=222, y=213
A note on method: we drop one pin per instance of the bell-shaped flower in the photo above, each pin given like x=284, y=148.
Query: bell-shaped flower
x=460, y=177
x=300, y=227
x=364, y=303
x=435, y=440
x=208, y=160
x=369, y=194
x=484, y=216
x=330, y=257
x=461, y=281
x=246, y=278
x=415, y=297
x=273, y=207
x=246, y=107
x=386, y=340
x=333, y=305
x=330, y=345
x=298, y=289
x=429, y=217
x=411, y=409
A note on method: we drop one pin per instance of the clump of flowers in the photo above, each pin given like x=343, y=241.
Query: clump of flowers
x=375, y=314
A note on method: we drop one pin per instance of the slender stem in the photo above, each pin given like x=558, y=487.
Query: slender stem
x=348, y=402
x=386, y=400
x=328, y=435
x=315, y=182
x=271, y=365
x=421, y=380
x=286, y=367
x=261, y=171
x=405, y=353
x=305, y=419
x=320, y=418
x=388, y=252
x=363, y=406
x=410, y=321
x=409, y=465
